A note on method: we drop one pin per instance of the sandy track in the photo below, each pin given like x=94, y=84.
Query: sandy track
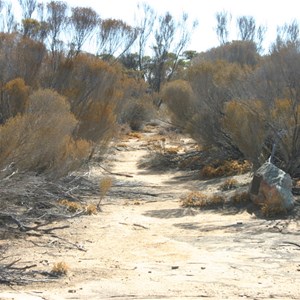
x=145, y=246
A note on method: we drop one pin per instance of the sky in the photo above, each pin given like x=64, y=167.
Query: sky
x=270, y=13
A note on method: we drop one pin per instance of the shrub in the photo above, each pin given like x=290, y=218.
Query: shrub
x=40, y=140
x=240, y=198
x=70, y=205
x=246, y=124
x=136, y=112
x=202, y=201
x=60, y=269
x=104, y=185
x=15, y=95
x=225, y=168
x=271, y=210
x=229, y=184
x=180, y=100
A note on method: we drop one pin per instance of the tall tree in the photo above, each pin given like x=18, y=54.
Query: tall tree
x=246, y=27
x=287, y=35
x=115, y=37
x=1, y=16
x=223, y=19
x=145, y=22
x=28, y=7
x=83, y=22
x=170, y=37
x=249, y=31
x=10, y=20
x=57, y=19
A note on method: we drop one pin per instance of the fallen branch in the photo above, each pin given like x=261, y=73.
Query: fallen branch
x=117, y=174
x=291, y=243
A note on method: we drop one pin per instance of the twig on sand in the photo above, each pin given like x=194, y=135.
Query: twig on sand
x=291, y=243
x=117, y=174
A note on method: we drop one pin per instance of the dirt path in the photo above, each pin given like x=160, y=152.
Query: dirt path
x=145, y=246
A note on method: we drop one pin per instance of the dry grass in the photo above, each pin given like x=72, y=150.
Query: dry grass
x=70, y=205
x=271, y=210
x=60, y=269
x=225, y=168
x=91, y=209
x=240, y=198
x=104, y=185
x=202, y=201
x=229, y=184
x=135, y=135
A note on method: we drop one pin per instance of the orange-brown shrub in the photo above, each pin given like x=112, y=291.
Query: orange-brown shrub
x=246, y=124
x=40, y=140
x=180, y=100
x=229, y=184
x=15, y=95
x=225, y=168
x=202, y=201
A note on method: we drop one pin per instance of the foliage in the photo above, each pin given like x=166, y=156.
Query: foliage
x=246, y=124
x=60, y=269
x=225, y=168
x=202, y=201
x=40, y=140
x=239, y=198
x=180, y=100
x=244, y=53
x=104, y=185
x=14, y=98
x=229, y=184
x=271, y=210
x=137, y=112
x=70, y=205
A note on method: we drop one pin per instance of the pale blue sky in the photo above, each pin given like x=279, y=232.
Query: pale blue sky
x=266, y=12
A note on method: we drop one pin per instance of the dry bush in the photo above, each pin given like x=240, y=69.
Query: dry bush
x=240, y=198
x=241, y=52
x=135, y=135
x=225, y=168
x=104, y=185
x=194, y=199
x=60, y=269
x=136, y=112
x=94, y=91
x=271, y=210
x=20, y=58
x=229, y=184
x=202, y=201
x=70, y=205
x=40, y=139
x=14, y=98
x=246, y=124
x=284, y=118
x=180, y=100
x=91, y=209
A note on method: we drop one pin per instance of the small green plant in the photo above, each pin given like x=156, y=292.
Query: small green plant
x=104, y=185
x=229, y=184
x=60, y=269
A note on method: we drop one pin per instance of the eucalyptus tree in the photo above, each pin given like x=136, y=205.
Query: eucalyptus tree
x=83, y=22
x=170, y=37
x=115, y=37
x=223, y=19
